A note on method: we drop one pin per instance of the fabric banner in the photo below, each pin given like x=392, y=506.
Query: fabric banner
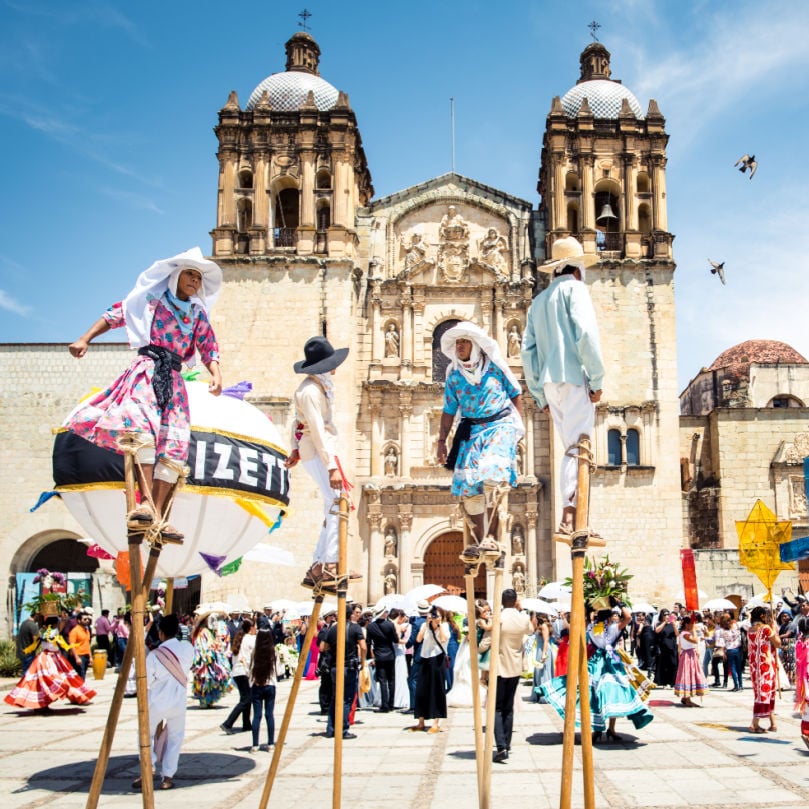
x=26, y=591
x=689, y=580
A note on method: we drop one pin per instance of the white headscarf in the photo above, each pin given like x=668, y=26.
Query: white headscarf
x=163, y=275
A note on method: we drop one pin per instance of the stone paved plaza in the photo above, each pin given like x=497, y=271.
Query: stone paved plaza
x=685, y=758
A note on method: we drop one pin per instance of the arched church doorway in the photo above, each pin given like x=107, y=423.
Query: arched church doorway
x=442, y=565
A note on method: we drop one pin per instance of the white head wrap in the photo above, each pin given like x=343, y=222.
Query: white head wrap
x=163, y=275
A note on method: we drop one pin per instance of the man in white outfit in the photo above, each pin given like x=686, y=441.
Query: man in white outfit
x=562, y=362
x=314, y=441
x=167, y=669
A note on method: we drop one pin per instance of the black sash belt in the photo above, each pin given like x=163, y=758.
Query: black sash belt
x=165, y=361
x=464, y=432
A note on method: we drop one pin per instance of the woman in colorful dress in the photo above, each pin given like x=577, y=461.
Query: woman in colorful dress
x=544, y=659
x=483, y=456
x=802, y=677
x=762, y=641
x=166, y=319
x=49, y=677
x=689, y=681
x=210, y=667
x=611, y=692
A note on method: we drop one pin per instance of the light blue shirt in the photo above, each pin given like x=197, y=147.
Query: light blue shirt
x=561, y=342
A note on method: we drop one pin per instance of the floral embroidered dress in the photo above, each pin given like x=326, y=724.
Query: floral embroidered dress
x=611, y=691
x=491, y=451
x=130, y=403
x=762, y=670
x=49, y=677
x=210, y=670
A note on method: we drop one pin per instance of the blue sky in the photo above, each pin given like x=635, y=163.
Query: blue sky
x=107, y=110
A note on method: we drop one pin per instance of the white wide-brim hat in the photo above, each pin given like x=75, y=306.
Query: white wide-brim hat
x=568, y=251
x=194, y=260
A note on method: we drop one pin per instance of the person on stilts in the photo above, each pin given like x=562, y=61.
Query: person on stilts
x=314, y=441
x=166, y=319
x=562, y=361
x=484, y=450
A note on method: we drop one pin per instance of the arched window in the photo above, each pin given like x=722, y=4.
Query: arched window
x=632, y=448
x=245, y=215
x=440, y=360
x=644, y=183
x=644, y=219
x=245, y=178
x=286, y=217
x=573, y=218
x=614, y=448
x=323, y=180
x=572, y=182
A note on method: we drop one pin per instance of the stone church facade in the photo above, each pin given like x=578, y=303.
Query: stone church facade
x=306, y=249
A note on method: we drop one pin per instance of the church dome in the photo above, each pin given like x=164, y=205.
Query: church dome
x=604, y=97
x=736, y=361
x=288, y=91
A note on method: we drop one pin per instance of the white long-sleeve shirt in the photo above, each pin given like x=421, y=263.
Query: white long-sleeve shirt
x=314, y=412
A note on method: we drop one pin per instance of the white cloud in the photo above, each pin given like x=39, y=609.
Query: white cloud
x=11, y=305
x=137, y=201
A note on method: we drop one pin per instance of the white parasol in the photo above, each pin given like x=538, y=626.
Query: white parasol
x=554, y=590
x=538, y=605
x=451, y=604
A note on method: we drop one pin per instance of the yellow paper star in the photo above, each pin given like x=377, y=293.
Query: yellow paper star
x=760, y=537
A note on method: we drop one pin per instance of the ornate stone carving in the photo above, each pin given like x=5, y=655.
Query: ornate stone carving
x=797, y=496
x=390, y=583
x=453, y=247
x=406, y=520
x=493, y=250
x=392, y=341
x=415, y=252
x=518, y=579
x=391, y=542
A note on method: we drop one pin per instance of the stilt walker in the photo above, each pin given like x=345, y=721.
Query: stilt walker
x=578, y=687
x=319, y=590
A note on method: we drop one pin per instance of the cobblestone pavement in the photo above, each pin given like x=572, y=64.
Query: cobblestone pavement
x=685, y=758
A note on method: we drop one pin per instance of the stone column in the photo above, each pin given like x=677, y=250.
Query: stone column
x=586, y=214
x=407, y=332
x=630, y=214
x=307, y=219
x=531, y=552
x=375, y=547
x=559, y=190
x=261, y=199
x=405, y=550
x=529, y=411
x=659, y=188
x=376, y=433
x=228, y=159
x=377, y=338
x=405, y=412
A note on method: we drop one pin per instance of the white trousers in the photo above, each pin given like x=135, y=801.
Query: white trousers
x=573, y=414
x=175, y=722
x=328, y=544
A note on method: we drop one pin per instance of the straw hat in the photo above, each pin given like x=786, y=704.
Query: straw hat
x=568, y=251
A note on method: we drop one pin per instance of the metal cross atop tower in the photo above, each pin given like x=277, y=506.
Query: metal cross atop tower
x=594, y=26
x=304, y=15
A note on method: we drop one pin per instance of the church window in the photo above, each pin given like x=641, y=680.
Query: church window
x=632, y=448
x=245, y=178
x=644, y=219
x=614, y=448
x=440, y=360
x=245, y=215
x=323, y=179
x=785, y=401
x=644, y=183
x=573, y=218
x=572, y=183
x=286, y=217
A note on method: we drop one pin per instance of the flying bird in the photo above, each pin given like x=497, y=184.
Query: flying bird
x=718, y=269
x=745, y=162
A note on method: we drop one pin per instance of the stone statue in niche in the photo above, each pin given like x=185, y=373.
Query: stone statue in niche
x=517, y=541
x=391, y=462
x=514, y=342
x=518, y=580
x=493, y=249
x=390, y=542
x=415, y=252
x=390, y=583
x=392, y=341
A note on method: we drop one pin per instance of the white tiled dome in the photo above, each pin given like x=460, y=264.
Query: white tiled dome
x=288, y=91
x=603, y=96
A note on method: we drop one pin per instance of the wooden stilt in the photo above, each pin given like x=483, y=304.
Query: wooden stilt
x=117, y=700
x=340, y=657
x=169, y=595
x=470, y=572
x=577, y=675
x=293, y=694
x=138, y=640
x=491, y=694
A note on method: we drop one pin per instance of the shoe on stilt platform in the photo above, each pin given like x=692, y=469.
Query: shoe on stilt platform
x=142, y=516
x=486, y=549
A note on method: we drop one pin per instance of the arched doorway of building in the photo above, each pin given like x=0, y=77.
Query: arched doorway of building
x=442, y=565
